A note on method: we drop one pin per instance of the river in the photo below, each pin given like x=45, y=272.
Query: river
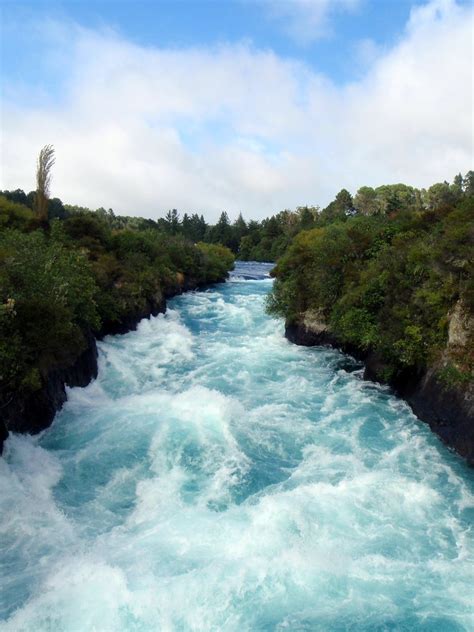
x=217, y=478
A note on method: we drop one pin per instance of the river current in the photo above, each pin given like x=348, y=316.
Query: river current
x=217, y=478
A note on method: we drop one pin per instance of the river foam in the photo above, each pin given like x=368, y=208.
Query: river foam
x=215, y=477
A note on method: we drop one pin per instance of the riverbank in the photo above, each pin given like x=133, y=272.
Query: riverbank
x=216, y=477
x=33, y=412
x=448, y=409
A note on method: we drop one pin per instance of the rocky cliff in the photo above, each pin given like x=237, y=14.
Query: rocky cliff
x=447, y=405
x=33, y=412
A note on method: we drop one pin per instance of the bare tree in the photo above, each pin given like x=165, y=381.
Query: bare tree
x=46, y=160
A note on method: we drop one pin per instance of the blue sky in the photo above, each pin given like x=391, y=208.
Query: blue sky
x=235, y=103
x=187, y=23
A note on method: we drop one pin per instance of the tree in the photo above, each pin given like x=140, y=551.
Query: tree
x=186, y=226
x=440, y=195
x=172, y=222
x=392, y=198
x=468, y=184
x=18, y=196
x=45, y=163
x=306, y=217
x=458, y=184
x=240, y=227
x=365, y=201
x=198, y=227
x=339, y=208
x=221, y=233
x=56, y=209
x=344, y=202
x=271, y=228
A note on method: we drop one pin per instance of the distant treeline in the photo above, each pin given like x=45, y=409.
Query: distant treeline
x=268, y=239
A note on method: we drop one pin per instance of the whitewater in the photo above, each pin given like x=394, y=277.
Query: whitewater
x=216, y=477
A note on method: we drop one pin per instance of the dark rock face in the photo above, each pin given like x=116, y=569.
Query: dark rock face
x=449, y=411
x=35, y=412
x=305, y=337
x=155, y=306
x=3, y=434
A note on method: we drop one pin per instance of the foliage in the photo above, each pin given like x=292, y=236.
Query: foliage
x=83, y=272
x=385, y=280
x=47, y=300
x=46, y=161
x=15, y=215
x=217, y=260
x=453, y=377
x=384, y=269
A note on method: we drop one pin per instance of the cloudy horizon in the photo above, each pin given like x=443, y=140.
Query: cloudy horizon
x=238, y=125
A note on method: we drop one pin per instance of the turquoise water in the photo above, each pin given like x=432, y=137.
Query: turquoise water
x=216, y=477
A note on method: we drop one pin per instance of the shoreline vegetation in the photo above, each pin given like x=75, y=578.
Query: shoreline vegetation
x=390, y=280
x=386, y=275
x=69, y=278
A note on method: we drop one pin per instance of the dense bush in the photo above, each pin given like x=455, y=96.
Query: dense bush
x=14, y=215
x=216, y=260
x=385, y=282
x=78, y=275
x=48, y=301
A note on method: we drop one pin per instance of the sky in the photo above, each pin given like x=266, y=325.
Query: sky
x=246, y=106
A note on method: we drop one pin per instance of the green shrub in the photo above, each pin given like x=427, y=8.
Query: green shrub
x=383, y=283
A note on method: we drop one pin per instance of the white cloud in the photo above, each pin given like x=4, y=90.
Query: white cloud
x=238, y=129
x=366, y=52
x=307, y=20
